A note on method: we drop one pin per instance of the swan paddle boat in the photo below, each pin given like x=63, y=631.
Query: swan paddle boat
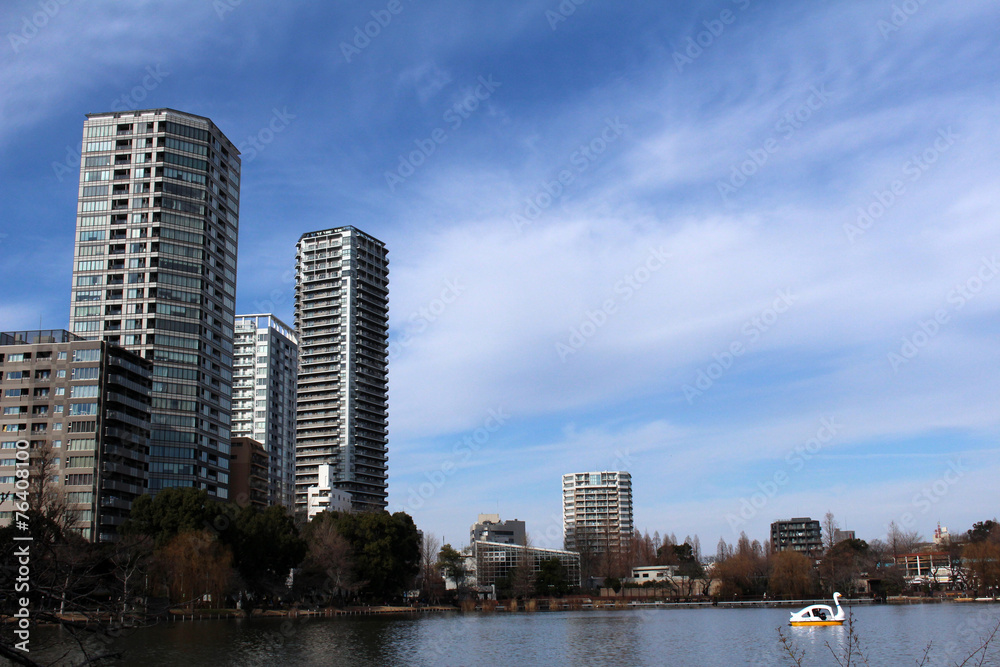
x=819, y=614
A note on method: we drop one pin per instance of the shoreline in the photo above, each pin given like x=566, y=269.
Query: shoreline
x=531, y=605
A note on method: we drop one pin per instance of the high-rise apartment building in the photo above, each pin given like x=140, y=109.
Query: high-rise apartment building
x=155, y=272
x=597, y=511
x=798, y=534
x=264, y=376
x=342, y=321
x=75, y=416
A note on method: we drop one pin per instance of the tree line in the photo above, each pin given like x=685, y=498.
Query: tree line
x=183, y=548
x=750, y=569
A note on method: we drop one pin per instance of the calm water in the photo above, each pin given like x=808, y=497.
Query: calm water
x=890, y=635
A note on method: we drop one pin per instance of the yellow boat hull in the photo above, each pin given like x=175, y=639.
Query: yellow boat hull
x=810, y=623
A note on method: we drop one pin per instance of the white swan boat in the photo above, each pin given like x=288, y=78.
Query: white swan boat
x=819, y=614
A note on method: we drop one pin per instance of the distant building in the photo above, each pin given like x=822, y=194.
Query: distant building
x=668, y=577
x=597, y=511
x=653, y=573
x=941, y=536
x=801, y=534
x=265, y=368
x=324, y=497
x=490, y=528
x=841, y=535
x=82, y=406
x=248, y=472
x=494, y=561
x=926, y=568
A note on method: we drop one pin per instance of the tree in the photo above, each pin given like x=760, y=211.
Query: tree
x=386, y=550
x=688, y=568
x=745, y=572
x=328, y=566
x=902, y=541
x=830, y=528
x=129, y=558
x=452, y=564
x=983, y=530
x=171, y=512
x=790, y=575
x=431, y=582
x=843, y=565
x=266, y=546
x=982, y=560
x=551, y=579
x=194, y=565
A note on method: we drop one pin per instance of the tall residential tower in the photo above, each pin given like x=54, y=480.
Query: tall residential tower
x=597, y=511
x=155, y=272
x=264, y=376
x=342, y=320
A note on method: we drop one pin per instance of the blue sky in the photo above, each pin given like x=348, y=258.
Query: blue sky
x=733, y=247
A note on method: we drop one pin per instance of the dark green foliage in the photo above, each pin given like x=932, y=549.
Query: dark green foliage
x=173, y=511
x=981, y=530
x=452, y=563
x=385, y=550
x=266, y=545
x=551, y=578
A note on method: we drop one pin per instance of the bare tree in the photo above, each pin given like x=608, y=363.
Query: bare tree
x=830, y=528
x=329, y=552
x=902, y=541
x=431, y=582
x=130, y=558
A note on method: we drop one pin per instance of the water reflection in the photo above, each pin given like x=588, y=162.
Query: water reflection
x=723, y=637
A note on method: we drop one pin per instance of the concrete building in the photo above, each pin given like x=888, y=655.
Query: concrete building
x=249, y=473
x=841, y=535
x=597, y=511
x=489, y=528
x=76, y=414
x=799, y=534
x=324, y=497
x=155, y=272
x=342, y=322
x=265, y=370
